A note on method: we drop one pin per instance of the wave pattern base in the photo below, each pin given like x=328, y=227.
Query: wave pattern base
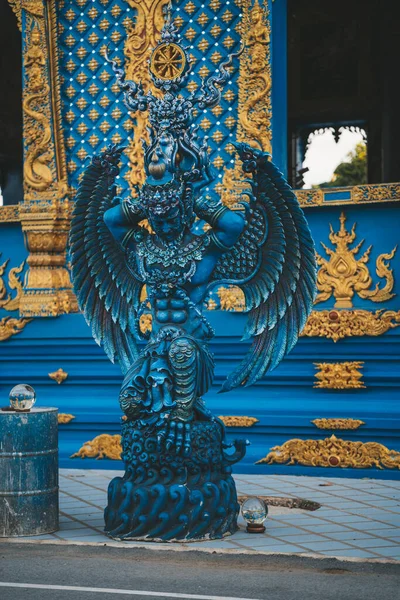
x=164, y=496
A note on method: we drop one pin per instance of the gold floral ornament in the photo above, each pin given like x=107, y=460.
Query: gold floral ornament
x=232, y=421
x=338, y=423
x=102, y=446
x=343, y=274
x=168, y=61
x=339, y=376
x=59, y=376
x=231, y=298
x=333, y=452
x=339, y=324
x=10, y=327
x=65, y=418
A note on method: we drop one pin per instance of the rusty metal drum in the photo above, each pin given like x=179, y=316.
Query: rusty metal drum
x=28, y=472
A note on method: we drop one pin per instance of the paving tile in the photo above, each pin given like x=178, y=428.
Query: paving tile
x=353, y=552
x=375, y=526
x=70, y=525
x=375, y=543
x=390, y=552
x=78, y=533
x=351, y=535
x=321, y=546
x=286, y=548
x=302, y=538
x=327, y=528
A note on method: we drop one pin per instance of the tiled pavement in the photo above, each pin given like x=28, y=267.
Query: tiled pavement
x=358, y=518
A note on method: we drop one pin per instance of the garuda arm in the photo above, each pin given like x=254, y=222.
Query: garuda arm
x=274, y=263
x=108, y=292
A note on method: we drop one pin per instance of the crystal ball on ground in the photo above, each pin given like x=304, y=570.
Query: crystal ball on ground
x=22, y=397
x=254, y=511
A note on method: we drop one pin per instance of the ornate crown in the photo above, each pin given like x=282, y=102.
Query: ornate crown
x=174, y=151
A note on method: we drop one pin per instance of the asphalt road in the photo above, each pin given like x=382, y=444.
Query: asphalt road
x=112, y=573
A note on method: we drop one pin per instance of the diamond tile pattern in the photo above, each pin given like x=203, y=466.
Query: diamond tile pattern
x=93, y=112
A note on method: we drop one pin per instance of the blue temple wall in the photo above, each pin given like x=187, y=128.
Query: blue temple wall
x=285, y=402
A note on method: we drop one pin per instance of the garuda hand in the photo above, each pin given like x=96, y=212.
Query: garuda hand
x=175, y=436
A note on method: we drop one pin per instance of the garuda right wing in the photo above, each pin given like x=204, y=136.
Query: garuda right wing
x=274, y=264
x=107, y=290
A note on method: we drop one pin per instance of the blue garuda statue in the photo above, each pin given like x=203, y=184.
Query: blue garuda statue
x=178, y=483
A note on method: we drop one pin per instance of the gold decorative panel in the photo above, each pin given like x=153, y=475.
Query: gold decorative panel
x=102, y=446
x=360, y=194
x=339, y=324
x=339, y=376
x=231, y=421
x=338, y=423
x=65, y=418
x=344, y=275
x=9, y=214
x=333, y=452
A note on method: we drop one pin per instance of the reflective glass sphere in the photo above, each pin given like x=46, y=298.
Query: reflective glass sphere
x=254, y=511
x=22, y=397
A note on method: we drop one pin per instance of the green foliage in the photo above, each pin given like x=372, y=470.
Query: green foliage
x=351, y=172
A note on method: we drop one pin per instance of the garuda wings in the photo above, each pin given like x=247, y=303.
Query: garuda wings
x=274, y=264
x=108, y=293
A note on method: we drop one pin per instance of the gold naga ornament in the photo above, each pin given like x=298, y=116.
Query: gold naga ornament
x=10, y=326
x=339, y=376
x=333, y=452
x=343, y=274
x=254, y=94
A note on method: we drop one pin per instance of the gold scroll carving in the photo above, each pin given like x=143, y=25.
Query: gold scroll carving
x=102, y=446
x=142, y=36
x=254, y=88
x=239, y=421
x=333, y=452
x=10, y=327
x=339, y=376
x=59, y=376
x=45, y=212
x=338, y=423
x=343, y=274
x=65, y=418
x=338, y=324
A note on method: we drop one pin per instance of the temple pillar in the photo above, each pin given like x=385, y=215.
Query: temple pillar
x=46, y=209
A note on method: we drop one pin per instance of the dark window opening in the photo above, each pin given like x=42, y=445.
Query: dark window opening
x=11, y=149
x=343, y=117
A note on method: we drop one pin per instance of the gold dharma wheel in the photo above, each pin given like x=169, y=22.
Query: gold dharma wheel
x=168, y=61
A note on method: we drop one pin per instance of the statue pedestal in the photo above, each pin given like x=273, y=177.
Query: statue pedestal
x=168, y=497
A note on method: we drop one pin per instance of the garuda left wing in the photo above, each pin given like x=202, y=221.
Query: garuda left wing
x=107, y=290
x=274, y=263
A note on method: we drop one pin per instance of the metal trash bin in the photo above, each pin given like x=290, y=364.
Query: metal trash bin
x=28, y=472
